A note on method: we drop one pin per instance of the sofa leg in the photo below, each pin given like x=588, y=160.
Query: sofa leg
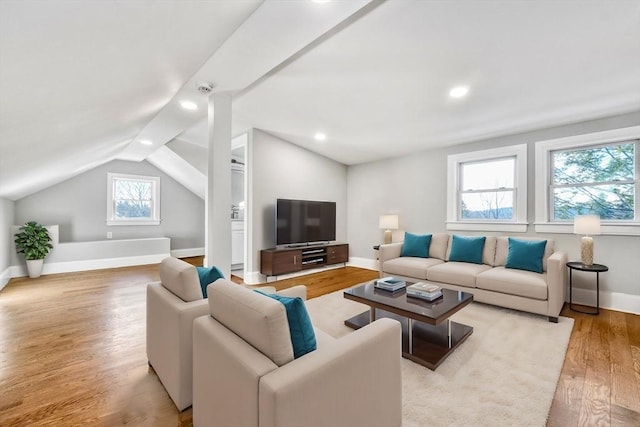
x=553, y=319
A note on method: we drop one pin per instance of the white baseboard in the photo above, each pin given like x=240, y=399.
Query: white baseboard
x=253, y=277
x=4, y=277
x=184, y=253
x=610, y=300
x=90, y=264
x=368, y=263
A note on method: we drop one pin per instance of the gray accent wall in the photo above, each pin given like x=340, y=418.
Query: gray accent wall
x=7, y=216
x=414, y=187
x=79, y=206
x=283, y=170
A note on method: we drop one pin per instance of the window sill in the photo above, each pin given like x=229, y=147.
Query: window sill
x=134, y=222
x=628, y=229
x=513, y=227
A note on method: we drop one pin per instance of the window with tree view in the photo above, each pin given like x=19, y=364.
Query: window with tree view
x=133, y=199
x=487, y=189
x=597, y=180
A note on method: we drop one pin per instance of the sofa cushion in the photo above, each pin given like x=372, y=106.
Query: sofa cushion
x=301, y=331
x=208, y=275
x=180, y=278
x=525, y=254
x=502, y=250
x=515, y=282
x=410, y=266
x=467, y=248
x=439, y=244
x=415, y=245
x=456, y=273
x=259, y=320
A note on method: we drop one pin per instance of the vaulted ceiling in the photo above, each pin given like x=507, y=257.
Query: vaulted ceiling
x=82, y=83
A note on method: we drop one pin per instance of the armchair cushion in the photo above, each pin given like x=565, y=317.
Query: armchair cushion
x=180, y=278
x=208, y=275
x=303, y=337
x=258, y=320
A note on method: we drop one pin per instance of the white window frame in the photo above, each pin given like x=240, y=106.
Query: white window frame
x=519, y=222
x=155, y=205
x=543, y=150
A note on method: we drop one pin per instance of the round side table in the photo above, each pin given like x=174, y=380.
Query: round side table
x=595, y=268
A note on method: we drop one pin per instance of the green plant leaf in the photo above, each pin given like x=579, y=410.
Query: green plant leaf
x=33, y=241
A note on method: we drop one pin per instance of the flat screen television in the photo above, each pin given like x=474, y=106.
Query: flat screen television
x=304, y=221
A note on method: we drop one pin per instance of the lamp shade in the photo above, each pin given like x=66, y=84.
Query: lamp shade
x=586, y=224
x=389, y=222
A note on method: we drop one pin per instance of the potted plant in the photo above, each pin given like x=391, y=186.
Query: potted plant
x=34, y=242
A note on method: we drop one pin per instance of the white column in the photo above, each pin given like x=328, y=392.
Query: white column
x=218, y=197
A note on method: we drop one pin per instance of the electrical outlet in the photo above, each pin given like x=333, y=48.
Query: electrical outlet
x=109, y=234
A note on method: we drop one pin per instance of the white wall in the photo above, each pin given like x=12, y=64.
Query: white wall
x=79, y=206
x=280, y=169
x=6, y=239
x=415, y=188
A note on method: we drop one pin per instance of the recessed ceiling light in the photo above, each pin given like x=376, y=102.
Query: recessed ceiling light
x=146, y=142
x=459, y=91
x=319, y=136
x=189, y=105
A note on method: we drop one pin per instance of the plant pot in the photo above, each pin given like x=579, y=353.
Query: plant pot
x=34, y=267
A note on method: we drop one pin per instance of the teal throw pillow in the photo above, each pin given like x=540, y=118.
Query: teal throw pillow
x=208, y=275
x=416, y=245
x=467, y=249
x=303, y=338
x=526, y=254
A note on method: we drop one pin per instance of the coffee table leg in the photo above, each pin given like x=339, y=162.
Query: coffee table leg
x=372, y=314
x=410, y=334
x=449, y=331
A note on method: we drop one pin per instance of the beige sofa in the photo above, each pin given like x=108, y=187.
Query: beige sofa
x=172, y=305
x=245, y=373
x=489, y=282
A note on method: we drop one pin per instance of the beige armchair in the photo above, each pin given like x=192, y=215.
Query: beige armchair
x=244, y=373
x=172, y=305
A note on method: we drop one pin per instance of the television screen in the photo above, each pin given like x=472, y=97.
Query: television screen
x=305, y=221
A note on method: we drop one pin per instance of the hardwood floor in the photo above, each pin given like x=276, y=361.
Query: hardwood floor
x=72, y=352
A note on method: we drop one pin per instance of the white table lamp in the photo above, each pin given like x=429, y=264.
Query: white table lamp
x=587, y=225
x=388, y=223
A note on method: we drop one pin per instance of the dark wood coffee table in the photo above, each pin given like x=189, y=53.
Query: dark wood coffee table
x=428, y=335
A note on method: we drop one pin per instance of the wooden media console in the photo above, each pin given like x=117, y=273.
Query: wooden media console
x=276, y=261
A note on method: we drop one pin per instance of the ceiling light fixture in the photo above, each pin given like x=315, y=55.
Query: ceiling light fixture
x=189, y=105
x=459, y=91
x=146, y=142
x=319, y=136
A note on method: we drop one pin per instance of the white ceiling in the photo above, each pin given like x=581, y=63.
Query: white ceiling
x=82, y=82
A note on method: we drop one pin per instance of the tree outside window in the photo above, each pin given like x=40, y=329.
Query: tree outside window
x=487, y=189
x=594, y=180
x=133, y=200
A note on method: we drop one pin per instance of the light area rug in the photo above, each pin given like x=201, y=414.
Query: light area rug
x=504, y=374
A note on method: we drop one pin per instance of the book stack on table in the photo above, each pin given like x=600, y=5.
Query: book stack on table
x=425, y=291
x=390, y=284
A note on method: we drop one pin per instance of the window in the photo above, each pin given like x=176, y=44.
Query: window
x=594, y=174
x=133, y=200
x=487, y=190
